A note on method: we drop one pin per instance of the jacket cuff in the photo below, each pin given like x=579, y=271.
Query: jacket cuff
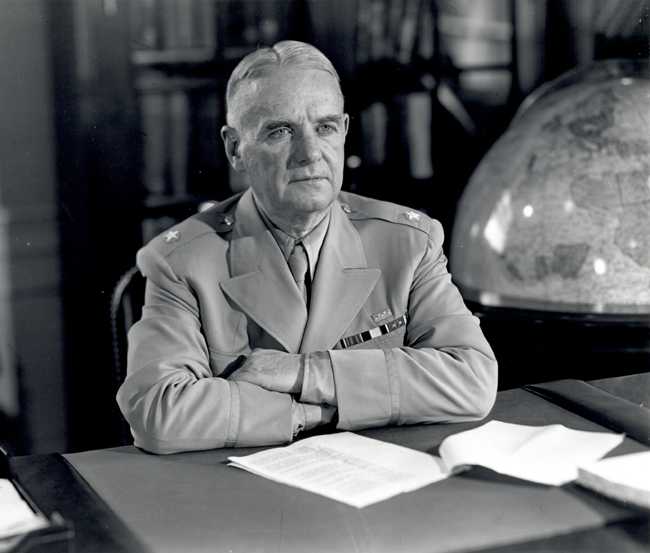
x=365, y=391
x=265, y=417
x=318, y=379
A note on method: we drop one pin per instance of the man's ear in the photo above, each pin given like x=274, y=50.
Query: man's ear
x=230, y=138
x=346, y=123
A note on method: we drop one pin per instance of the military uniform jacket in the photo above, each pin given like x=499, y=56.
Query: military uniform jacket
x=218, y=287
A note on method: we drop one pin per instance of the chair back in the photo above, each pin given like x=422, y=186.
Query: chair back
x=125, y=310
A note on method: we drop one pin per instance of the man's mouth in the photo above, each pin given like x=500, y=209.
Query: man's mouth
x=307, y=179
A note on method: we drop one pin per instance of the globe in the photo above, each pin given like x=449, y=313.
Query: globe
x=557, y=214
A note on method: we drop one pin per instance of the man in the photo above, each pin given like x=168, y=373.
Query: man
x=295, y=305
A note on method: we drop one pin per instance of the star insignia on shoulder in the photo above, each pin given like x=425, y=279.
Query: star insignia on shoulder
x=172, y=236
x=413, y=215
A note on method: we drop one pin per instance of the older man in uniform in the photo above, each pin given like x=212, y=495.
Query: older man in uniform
x=295, y=305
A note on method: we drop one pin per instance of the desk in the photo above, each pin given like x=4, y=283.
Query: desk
x=194, y=502
x=634, y=387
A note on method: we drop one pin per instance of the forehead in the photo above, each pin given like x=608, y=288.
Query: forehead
x=287, y=93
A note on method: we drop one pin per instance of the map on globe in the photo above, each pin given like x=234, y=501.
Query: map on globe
x=557, y=214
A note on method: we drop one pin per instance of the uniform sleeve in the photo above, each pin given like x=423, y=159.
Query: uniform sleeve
x=447, y=371
x=170, y=397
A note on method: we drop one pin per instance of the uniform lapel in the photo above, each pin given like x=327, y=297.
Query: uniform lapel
x=342, y=284
x=261, y=283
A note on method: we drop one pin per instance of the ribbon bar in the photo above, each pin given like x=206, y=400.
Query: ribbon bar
x=373, y=333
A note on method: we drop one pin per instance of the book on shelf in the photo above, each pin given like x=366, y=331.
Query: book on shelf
x=374, y=124
x=207, y=163
x=153, y=108
x=144, y=25
x=173, y=24
x=179, y=140
x=418, y=124
x=183, y=156
x=408, y=31
x=171, y=32
x=391, y=29
x=166, y=127
x=205, y=23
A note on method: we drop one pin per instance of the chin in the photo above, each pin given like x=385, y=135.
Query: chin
x=313, y=201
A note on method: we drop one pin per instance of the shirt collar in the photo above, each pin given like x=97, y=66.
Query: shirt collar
x=312, y=241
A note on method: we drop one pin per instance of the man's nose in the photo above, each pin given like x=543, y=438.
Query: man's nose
x=306, y=149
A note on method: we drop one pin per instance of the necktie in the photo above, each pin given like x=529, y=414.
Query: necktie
x=299, y=266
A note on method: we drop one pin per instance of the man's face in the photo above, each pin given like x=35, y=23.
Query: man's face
x=291, y=131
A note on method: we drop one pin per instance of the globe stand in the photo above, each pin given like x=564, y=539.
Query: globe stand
x=536, y=346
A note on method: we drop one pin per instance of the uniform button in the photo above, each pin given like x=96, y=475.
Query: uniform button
x=228, y=221
x=346, y=208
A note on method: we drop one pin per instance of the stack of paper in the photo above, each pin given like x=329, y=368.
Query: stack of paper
x=16, y=516
x=347, y=467
x=626, y=478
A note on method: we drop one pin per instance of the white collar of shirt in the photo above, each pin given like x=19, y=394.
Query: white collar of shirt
x=312, y=241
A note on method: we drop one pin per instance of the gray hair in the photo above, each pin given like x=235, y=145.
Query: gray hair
x=288, y=53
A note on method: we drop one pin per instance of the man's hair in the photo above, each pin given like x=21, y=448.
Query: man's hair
x=287, y=53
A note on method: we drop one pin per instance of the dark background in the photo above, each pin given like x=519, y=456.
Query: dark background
x=109, y=134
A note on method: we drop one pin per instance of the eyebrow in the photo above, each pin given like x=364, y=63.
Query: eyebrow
x=276, y=124
x=335, y=118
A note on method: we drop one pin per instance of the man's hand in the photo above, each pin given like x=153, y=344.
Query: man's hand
x=316, y=415
x=274, y=370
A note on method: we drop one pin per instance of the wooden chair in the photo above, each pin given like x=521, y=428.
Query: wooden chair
x=125, y=310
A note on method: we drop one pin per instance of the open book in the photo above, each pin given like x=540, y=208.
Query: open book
x=544, y=454
x=360, y=471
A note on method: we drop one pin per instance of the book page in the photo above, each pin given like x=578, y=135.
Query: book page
x=16, y=516
x=346, y=467
x=543, y=454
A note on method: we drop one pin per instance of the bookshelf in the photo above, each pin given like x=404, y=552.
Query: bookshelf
x=181, y=55
x=412, y=71
x=433, y=84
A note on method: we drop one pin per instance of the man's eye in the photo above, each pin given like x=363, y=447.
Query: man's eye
x=280, y=132
x=326, y=128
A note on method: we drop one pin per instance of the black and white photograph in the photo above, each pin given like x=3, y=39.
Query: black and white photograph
x=338, y=276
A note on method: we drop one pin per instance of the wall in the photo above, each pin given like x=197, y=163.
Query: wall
x=31, y=370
